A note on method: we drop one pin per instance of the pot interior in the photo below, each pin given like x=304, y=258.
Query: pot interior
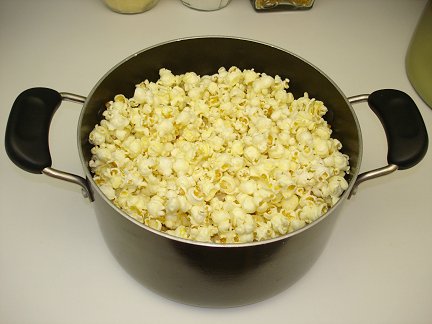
x=204, y=56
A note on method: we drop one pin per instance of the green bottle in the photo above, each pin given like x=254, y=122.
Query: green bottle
x=419, y=57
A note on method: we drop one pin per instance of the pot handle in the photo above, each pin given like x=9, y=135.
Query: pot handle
x=407, y=138
x=26, y=138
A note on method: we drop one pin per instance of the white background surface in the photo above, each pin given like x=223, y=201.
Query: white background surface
x=54, y=265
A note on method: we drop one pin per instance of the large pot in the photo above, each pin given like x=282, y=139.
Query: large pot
x=201, y=273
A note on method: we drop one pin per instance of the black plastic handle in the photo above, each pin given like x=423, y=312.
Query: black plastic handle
x=404, y=127
x=27, y=129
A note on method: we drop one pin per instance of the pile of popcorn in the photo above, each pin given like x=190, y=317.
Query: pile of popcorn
x=226, y=158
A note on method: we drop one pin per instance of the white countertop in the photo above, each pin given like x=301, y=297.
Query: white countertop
x=54, y=264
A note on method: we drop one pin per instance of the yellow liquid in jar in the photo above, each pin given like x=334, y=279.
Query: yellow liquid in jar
x=130, y=6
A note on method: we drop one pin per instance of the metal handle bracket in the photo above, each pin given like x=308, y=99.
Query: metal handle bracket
x=69, y=177
x=373, y=174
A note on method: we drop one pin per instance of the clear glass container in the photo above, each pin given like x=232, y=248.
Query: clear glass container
x=282, y=4
x=130, y=6
x=206, y=5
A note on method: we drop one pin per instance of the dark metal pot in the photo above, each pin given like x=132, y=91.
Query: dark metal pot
x=201, y=273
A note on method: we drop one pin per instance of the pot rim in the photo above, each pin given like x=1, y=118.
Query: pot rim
x=284, y=237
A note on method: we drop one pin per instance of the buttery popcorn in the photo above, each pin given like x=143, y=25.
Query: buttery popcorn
x=226, y=158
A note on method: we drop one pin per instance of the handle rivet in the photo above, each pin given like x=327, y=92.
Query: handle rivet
x=84, y=193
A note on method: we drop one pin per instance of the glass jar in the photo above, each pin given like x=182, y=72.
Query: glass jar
x=130, y=6
x=282, y=4
x=206, y=5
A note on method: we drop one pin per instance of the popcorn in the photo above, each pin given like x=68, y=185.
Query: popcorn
x=173, y=205
x=252, y=154
x=194, y=196
x=197, y=215
x=248, y=187
x=165, y=166
x=228, y=184
x=180, y=166
x=155, y=207
x=249, y=205
x=225, y=158
x=280, y=223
